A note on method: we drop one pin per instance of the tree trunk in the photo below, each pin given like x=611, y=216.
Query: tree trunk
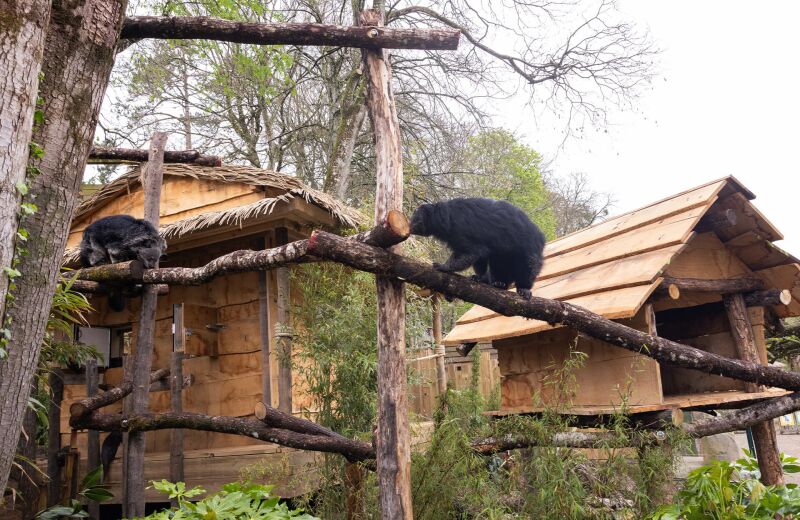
x=22, y=29
x=81, y=40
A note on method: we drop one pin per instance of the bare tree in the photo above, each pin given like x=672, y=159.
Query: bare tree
x=575, y=203
x=22, y=29
x=81, y=38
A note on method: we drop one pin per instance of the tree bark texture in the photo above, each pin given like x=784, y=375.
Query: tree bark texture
x=81, y=38
x=728, y=285
x=22, y=33
x=206, y=28
x=107, y=155
x=384, y=263
x=441, y=372
x=764, y=438
x=393, y=439
x=134, y=482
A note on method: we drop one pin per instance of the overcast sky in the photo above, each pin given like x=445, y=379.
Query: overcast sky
x=726, y=102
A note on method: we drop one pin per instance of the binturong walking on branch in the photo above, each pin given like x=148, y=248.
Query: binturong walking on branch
x=494, y=237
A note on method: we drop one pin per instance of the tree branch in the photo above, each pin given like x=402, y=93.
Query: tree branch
x=108, y=155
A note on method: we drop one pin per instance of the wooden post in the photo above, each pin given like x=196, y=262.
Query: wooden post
x=152, y=176
x=176, y=395
x=54, y=437
x=263, y=326
x=354, y=485
x=441, y=373
x=393, y=444
x=93, y=447
x=764, y=436
x=283, y=329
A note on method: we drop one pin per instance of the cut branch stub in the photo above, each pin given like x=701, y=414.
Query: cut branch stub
x=206, y=28
x=277, y=419
x=766, y=298
x=392, y=230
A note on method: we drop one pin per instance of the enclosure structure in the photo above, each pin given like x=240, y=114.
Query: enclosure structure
x=225, y=327
x=670, y=269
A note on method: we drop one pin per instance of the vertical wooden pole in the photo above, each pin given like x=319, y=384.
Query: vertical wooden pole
x=283, y=329
x=54, y=437
x=152, y=175
x=263, y=326
x=93, y=447
x=176, y=395
x=354, y=484
x=441, y=374
x=72, y=467
x=764, y=437
x=393, y=443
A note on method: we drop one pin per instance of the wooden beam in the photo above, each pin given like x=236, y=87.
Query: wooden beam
x=283, y=329
x=131, y=271
x=207, y=28
x=730, y=285
x=263, y=329
x=93, y=446
x=393, y=439
x=764, y=437
x=465, y=348
x=152, y=177
x=56, y=384
x=86, y=406
x=88, y=287
x=767, y=298
x=109, y=155
x=176, y=394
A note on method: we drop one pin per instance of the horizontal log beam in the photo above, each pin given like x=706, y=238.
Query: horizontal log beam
x=381, y=262
x=206, y=28
x=724, y=286
x=767, y=298
x=108, y=155
x=82, y=408
x=746, y=417
x=353, y=450
x=275, y=418
x=89, y=287
x=597, y=440
x=717, y=221
x=131, y=271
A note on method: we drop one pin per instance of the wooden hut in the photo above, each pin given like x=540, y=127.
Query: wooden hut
x=227, y=327
x=666, y=268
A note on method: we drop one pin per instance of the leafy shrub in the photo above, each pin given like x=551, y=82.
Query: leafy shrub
x=726, y=490
x=235, y=501
x=91, y=488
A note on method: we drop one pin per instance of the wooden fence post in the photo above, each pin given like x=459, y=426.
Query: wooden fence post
x=176, y=395
x=152, y=176
x=393, y=444
x=93, y=446
x=439, y=350
x=764, y=437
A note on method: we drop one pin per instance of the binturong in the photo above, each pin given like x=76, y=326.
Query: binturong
x=494, y=237
x=119, y=238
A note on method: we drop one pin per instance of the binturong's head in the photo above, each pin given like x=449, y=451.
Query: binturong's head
x=421, y=220
x=150, y=255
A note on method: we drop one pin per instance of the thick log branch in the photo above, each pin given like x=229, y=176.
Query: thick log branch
x=732, y=285
x=108, y=155
x=206, y=28
x=88, y=287
x=277, y=419
x=766, y=298
x=746, y=417
x=83, y=407
x=131, y=271
x=393, y=230
x=352, y=450
x=577, y=439
x=380, y=262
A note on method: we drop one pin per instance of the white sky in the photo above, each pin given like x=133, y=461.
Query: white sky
x=726, y=102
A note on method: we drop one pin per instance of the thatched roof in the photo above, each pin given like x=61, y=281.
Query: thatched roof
x=290, y=187
x=612, y=267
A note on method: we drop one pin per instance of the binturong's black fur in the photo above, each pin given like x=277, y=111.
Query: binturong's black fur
x=496, y=238
x=120, y=238
x=108, y=452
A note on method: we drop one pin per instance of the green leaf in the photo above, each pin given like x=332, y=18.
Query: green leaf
x=22, y=187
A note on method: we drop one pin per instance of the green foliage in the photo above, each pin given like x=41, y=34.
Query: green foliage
x=236, y=501
x=501, y=167
x=726, y=490
x=91, y=488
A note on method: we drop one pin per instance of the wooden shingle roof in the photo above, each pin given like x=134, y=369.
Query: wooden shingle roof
x=612, y=267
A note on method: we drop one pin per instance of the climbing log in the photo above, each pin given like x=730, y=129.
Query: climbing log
x=130, y=271
x=206, y=28
x=108, y=155
x=353, y=450
x=85, y=406
x=393, y=444
x=277, y=419
x=384, y=263
x=87, y=287
x=769, y=297
x=390, y=230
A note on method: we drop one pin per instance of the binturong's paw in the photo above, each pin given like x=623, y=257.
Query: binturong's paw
x=441, y=267
x=525, y=293
x=476, y=278
x=500, y=285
